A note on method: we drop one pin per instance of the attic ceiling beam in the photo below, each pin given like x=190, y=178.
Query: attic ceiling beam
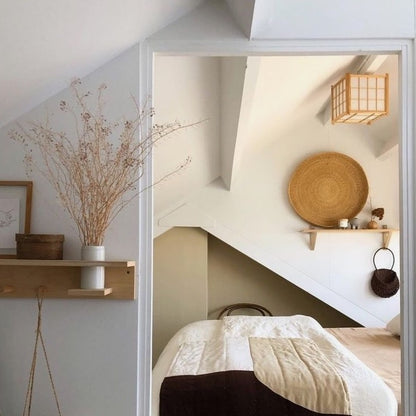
x=366, y=64
x=242, y=12
x=238, y=84
x=388, y=148
x=186, y=215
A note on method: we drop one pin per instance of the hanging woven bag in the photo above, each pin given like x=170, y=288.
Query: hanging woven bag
x=384, y=282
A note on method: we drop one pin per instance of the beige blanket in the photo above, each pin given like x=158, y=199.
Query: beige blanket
x=296, y=369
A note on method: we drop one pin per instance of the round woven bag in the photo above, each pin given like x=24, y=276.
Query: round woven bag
x=384, y=282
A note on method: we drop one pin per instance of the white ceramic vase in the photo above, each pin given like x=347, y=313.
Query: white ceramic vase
x=92, y=277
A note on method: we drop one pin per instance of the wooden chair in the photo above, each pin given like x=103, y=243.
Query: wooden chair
x=231, y=308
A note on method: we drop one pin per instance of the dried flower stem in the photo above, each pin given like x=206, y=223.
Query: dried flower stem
x=95, y=176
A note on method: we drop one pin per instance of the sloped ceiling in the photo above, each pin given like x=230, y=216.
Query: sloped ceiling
x=46, y=43
x=243, y=12
x=248, y=103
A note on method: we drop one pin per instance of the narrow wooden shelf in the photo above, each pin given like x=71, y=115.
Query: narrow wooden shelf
x=61, y=279
x=313, y=233
x=90, y=292
x=66, y=263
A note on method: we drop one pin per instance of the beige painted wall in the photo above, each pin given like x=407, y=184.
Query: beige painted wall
x=235, y=278
x=179, y=282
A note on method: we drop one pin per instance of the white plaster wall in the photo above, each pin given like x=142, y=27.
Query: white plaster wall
x=193, y=87
x=243, y=13
x=233, y=73
x=92, y=344
x=44, y=44
x=302, y=19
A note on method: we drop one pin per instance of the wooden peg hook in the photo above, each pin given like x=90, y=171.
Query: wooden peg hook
x=7, y=289
x=40, y=291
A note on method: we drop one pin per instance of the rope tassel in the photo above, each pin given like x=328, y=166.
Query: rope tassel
x=38, y=337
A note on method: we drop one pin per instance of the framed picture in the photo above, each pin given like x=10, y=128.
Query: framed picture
x=15, y=211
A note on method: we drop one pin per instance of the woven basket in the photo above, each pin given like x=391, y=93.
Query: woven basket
x=384, y=282
x=326, y=187
x=39, y=246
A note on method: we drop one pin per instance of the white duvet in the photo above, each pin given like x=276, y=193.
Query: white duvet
x=369, y=396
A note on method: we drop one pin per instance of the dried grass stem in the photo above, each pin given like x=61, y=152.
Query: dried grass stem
x=96, y=173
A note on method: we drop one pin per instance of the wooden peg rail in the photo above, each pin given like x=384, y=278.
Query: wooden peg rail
x=7, y=289
x=313, y=233
x=61, y=279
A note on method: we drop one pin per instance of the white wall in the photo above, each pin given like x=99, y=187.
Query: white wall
x=322, y=19
x=193, y=84
x=92, y=344
x=233, y=73
x=44, y=44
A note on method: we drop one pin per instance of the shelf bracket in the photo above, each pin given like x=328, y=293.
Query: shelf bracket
x=312, y=241
x=386, y=238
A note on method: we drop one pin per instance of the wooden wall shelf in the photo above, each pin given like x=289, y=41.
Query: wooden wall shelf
x=313, y=233
x=61, y=279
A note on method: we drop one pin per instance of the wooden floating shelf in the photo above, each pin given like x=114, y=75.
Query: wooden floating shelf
x=66, y=263
x=90, y=292
x=313, y=233
x=61, y=279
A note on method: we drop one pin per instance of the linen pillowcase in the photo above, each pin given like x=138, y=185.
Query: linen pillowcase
x=269, y=326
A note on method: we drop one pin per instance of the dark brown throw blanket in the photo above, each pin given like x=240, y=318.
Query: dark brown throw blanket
x=224, y=393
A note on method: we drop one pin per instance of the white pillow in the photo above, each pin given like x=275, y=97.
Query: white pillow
x=394, y=325
x=268, y=326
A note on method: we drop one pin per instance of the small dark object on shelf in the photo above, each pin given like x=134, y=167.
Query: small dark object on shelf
x=39, y=246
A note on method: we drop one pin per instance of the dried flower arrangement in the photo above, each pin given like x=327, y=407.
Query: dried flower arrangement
x=377, y=212
x=96, y=175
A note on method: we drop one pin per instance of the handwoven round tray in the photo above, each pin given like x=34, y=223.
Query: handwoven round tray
x=327, y=187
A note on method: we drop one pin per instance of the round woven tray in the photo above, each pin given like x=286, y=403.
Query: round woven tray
x=327, y=187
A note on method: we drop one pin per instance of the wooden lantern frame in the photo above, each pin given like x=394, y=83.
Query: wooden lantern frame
x=360, y=98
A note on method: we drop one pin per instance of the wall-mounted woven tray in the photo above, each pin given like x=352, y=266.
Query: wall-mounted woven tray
x=327, y=187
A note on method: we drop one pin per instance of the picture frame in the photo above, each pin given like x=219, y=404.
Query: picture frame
x=15, y=214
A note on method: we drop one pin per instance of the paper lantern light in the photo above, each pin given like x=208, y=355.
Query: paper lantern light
x=359, y=98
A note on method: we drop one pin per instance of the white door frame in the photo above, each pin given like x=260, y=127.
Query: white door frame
x=405, y=50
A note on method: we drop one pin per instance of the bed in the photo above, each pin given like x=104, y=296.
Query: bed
x=210, y=361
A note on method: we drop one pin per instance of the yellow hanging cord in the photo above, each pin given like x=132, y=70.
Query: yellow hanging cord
x=29, y=394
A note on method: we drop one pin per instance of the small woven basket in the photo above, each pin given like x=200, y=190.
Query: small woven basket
x=384, y=282
x=39, y=246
